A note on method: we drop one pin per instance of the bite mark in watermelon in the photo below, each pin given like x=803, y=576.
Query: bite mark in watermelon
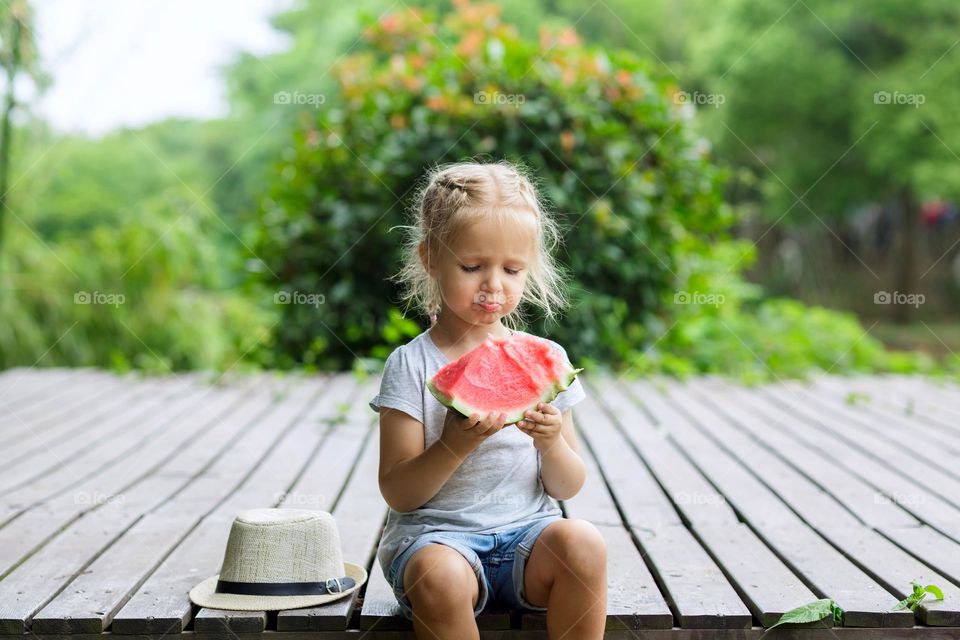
x=511, y=374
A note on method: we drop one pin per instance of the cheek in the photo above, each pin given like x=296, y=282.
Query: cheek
x=515, y=288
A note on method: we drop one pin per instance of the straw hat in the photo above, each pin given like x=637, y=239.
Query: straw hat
x=280, y=559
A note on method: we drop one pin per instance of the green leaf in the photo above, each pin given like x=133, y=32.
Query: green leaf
x=935, y=590
x=811, y=612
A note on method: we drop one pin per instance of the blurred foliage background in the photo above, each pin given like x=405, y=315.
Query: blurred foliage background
x=751, y=189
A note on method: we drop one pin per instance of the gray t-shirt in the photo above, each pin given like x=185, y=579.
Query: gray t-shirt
x=496, y=487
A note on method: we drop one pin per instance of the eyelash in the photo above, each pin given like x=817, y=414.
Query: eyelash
x=512, y=272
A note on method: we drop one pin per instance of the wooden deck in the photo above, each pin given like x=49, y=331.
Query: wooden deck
x=722, y=506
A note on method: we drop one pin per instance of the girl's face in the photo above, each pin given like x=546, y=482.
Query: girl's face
x=482, y=275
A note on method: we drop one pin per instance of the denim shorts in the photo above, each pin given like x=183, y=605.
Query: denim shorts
x=498, y=560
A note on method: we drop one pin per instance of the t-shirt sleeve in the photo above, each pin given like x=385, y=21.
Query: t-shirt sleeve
x=400, y=386
x=574, y=393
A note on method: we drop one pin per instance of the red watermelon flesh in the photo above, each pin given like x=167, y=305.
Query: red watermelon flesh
x=503, y=374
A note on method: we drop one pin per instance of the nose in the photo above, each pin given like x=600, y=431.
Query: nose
x=491, y=286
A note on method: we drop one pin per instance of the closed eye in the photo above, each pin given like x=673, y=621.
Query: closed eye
x=476, y=268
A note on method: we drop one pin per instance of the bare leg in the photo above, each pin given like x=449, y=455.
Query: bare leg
x=578, y=607
x=567, y=573
x=443, y=590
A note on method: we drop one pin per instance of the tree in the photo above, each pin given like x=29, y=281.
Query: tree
x=17, y=57
x=836, y=104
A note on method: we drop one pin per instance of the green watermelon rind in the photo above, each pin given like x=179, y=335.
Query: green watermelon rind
x=549, y=395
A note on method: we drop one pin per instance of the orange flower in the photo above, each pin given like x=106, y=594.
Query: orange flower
x=390, y=23
x=567, y=140
x=568, y=38
x=437, y=103
x=470, y=44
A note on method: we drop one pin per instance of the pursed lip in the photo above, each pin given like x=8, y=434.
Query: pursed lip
x=489, y=307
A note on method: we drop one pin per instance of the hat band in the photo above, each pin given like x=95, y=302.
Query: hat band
x=333, y=585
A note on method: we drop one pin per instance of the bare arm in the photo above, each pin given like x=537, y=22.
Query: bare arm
x=410, y=475
x=412, y=483
x=561, y=469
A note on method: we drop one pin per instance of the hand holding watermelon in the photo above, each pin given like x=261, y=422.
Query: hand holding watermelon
x=543, y=425
x=463, y=435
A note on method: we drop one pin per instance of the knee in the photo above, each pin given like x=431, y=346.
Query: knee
x=580, y=546
x=438, y=580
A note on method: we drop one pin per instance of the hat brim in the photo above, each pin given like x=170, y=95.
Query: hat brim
x=205, y=595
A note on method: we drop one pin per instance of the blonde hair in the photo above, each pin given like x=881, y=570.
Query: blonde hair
x=454, y=197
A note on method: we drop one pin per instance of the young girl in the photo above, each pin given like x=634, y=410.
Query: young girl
x=472, y=516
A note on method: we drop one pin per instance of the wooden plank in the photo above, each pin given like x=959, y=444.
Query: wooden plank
x=768, y=592
x=767, y=585
x=919, y=499
x=112, y=431
x=933, y=462
x=51, y=387
x=824, y=570
x=756, y=633
x=698, y=592
x=915, y=398
x=161, y=604
x=879, y=558
x=940, y=394
x=75, y=434
x=887, y=412
x=19, y=428
x=347, y=433
x=19, y=390
x=222, y=621
x=782, y=435
x=696, y=500
x=277, y=445
x=930, y=546
x=52, y=504
x=36, y=581
x=633, y=598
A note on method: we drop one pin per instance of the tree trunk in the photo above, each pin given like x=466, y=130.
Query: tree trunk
x=906, y=269
x=13, y=65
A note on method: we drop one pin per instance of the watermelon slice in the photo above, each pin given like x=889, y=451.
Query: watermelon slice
x=503, y=374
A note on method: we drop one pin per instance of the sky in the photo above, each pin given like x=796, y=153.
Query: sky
x=118, y=63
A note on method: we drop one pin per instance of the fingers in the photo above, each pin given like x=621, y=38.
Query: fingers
x=546, y=415
x=472, y=421
x=492, y=423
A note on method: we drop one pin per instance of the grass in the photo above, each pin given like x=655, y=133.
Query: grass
x=939, y=338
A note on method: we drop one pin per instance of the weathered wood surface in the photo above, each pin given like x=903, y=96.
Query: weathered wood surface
x=722, y=506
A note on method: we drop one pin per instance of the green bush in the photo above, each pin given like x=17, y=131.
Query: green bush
x=147, y=293
x=612, y=146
